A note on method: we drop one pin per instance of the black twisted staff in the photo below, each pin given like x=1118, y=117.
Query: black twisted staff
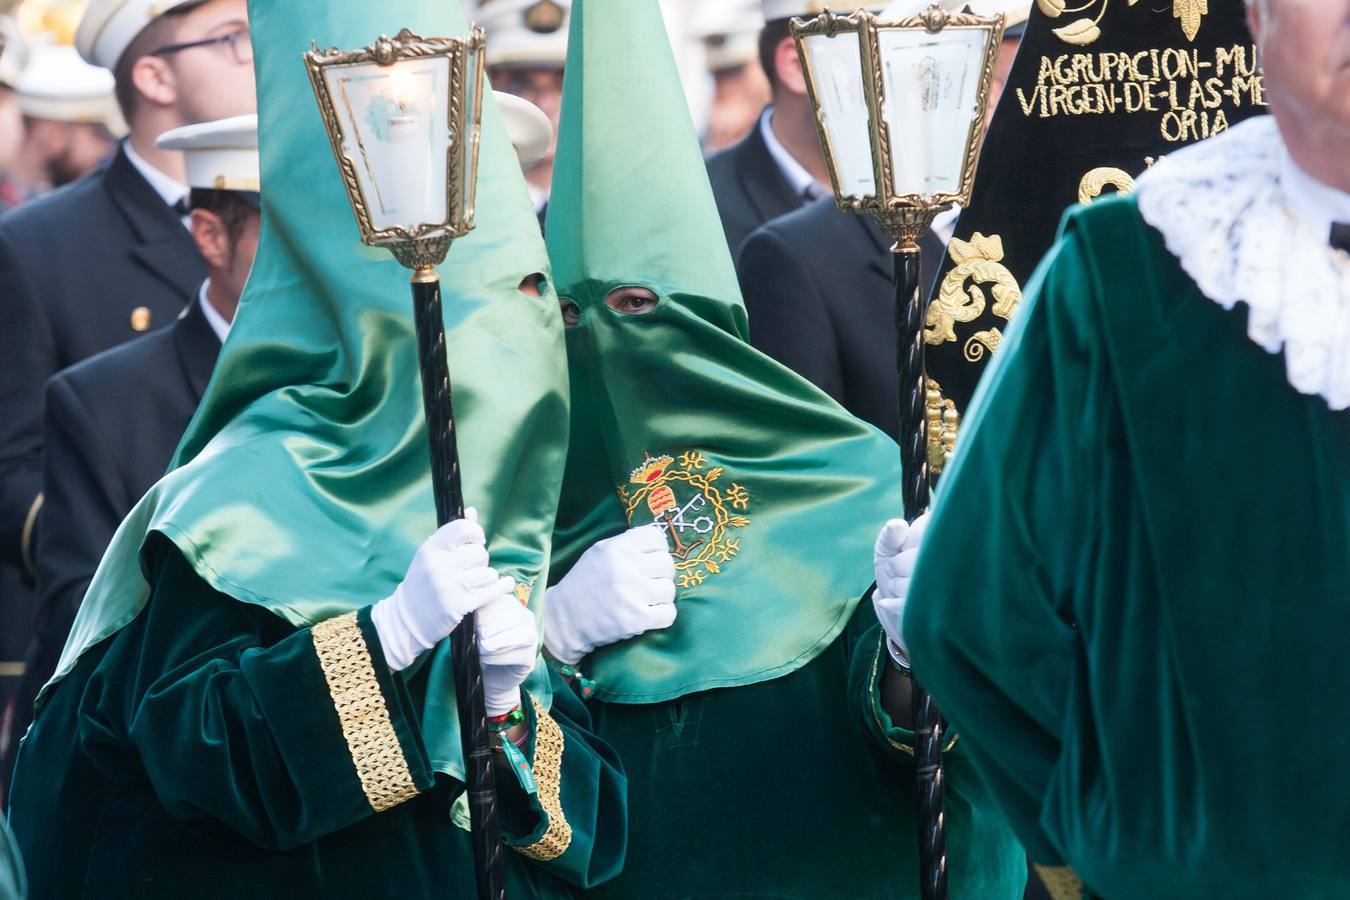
x=440, y=414
x=911, y=310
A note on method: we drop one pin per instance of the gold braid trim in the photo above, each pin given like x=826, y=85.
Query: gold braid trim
x=1060, y=882
x=548, y=753
x=366, y=726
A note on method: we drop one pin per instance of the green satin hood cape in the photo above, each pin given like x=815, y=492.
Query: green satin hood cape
x=303, y=483
x=775, y=492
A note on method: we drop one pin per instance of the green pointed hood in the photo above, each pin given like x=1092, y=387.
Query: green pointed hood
x=776, y=493
x=635, y=197
x=303, y=483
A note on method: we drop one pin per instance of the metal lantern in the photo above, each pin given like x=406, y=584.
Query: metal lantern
x=900, y=107
x=404, y=118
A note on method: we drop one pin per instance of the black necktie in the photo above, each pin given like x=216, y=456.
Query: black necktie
x=1340, y=236
x=181, y=207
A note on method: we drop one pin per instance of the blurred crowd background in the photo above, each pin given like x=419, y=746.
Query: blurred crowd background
x=59, y=116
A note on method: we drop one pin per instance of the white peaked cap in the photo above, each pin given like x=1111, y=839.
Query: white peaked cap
x=220, y=155
x=59, y=86
x=729, y=30
x=528, y=126
x=109, y=27
x=525, y=32
x=1015, y=12
x=15, y=55
x=806, y=9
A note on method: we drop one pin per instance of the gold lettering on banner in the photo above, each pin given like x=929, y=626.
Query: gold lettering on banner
x=1192, y=92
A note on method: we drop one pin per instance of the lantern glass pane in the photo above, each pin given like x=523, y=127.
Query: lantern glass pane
x=836, y=71
x=473, y=115
x=395, y=127
x=932, y=89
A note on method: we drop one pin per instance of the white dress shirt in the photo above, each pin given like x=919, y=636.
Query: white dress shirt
x=171, y=191
x=802, y=182
x=1316, y=203
x=217, y=322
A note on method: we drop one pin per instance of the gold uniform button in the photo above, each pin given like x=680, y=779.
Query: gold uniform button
x=140, y=318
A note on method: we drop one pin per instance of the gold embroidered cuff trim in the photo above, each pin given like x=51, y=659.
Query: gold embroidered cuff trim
x=548, y=753
x=26, y=539
x=366, y=726
x=874, y=701
x=1060, y=882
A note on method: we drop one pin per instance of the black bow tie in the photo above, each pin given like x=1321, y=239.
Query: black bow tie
x=1340, y=236
x=182, y=208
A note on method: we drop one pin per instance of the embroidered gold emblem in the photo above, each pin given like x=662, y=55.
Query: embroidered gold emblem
x=545, y=17
x=1087, y=30
x=979, y=260
x=140, y=318
x=699, y=517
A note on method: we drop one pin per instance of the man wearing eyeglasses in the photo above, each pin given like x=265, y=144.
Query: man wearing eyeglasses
x=110, y=256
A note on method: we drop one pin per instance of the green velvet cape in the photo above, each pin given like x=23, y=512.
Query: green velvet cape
x=1132, y=599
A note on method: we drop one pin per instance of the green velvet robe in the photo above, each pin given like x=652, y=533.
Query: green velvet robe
x=1132, y=600
x=200, y=752
x=799, y=787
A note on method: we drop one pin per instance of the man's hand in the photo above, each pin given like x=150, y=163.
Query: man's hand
x=448, y=579
x=897, y=550
x=508, y=644
x=620, y=588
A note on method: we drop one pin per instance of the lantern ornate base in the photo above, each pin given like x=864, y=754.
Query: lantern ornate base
x=421, y=254
x=907, y=224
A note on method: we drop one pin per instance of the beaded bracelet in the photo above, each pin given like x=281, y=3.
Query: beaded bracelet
x=506, y=722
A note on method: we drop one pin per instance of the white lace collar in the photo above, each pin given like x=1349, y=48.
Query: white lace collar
x=1244, y=235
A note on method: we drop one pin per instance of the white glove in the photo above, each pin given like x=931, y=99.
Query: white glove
x=448, y=578
x=620, y=588
x=893, y=560
x=508, y=644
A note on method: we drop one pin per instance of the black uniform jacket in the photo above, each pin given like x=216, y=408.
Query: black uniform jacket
x=85, y=268
x=749, y=187
x=818, y=289
x=112, y=425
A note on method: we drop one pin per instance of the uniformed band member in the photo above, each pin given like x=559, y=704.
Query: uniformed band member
x=1131, y=599
x=526, y=49
x=779, y=166
x=712, y=603
x=113, y=421
x=108, y=257
x=818, y=283
x=238, y=711
x=730, y=35
x=71, y=121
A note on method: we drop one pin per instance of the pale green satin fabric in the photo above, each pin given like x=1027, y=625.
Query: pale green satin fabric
x=303, y=483
x=631, y=205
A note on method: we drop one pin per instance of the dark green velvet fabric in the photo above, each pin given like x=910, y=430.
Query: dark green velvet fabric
x=197, y=753
x=1132, y=599
x=792, y=788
